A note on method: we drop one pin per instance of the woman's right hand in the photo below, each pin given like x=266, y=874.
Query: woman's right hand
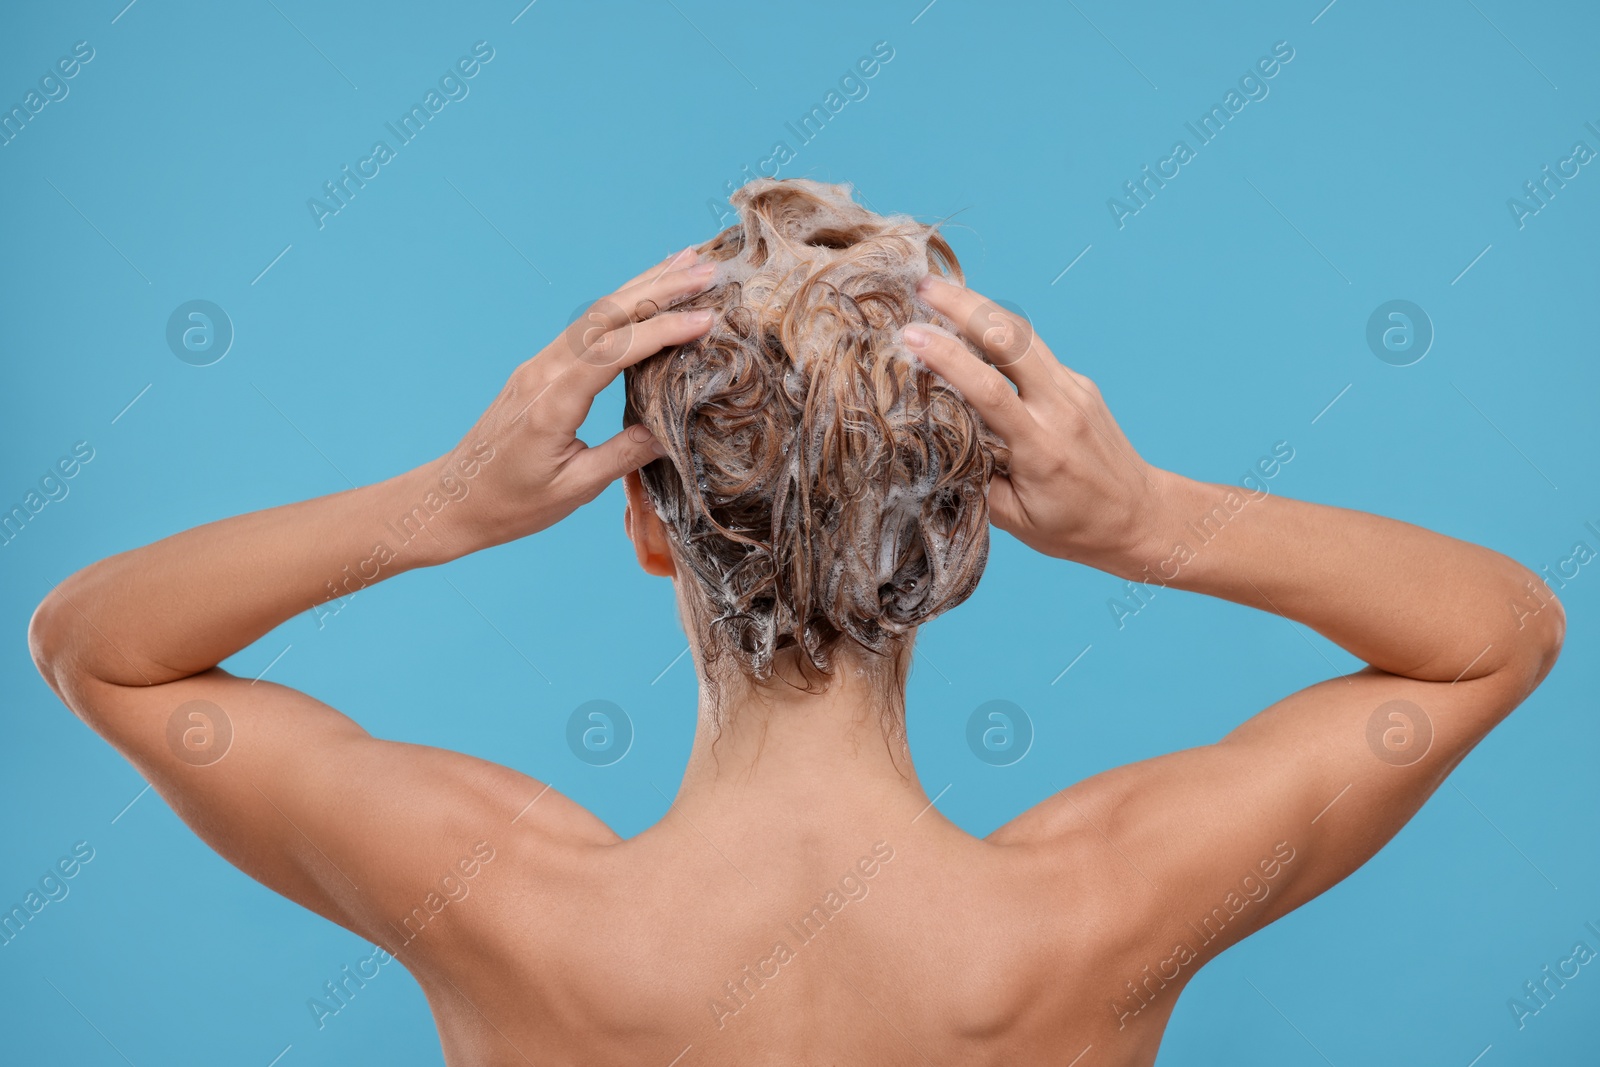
x=1077, y=489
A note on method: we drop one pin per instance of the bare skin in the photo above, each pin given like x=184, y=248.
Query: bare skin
x=1058, y=933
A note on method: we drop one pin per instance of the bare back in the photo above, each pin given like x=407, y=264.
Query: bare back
x=873, y=932
x=893, y=940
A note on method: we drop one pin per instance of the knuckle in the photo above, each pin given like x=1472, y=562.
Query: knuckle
x=525, y=379
x=1005, y=339
x=584, y=329
x=609, y=347
x=1000, y=331
x=601, y=317
x=996, y=391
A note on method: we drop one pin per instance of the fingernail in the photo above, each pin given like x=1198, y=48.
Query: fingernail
x=699, y=318
x=915, y=337
x=659, y=449
x=682, y=257
x=927, y=282
x=702, y=270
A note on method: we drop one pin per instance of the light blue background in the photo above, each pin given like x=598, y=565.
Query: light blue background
x=1222, y=319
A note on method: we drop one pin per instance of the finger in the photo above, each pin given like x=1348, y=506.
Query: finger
x=985, y=388
x=566, y=403
x=673, y=262
x=1005, y=510
x=595, y=468
x=1006, y=338
x=635, y=303
x=665, y=288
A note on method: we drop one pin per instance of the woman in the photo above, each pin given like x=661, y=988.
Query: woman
x=821, y=426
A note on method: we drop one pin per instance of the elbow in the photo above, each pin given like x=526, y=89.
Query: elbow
x=1553, y=636
x=1541, y=630
x=47, y=640
x=57, y=633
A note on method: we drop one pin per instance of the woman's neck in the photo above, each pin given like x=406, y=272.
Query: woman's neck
x=821, y=757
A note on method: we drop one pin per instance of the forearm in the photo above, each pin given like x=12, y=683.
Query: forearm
x=1404, y=599
x=181, y=605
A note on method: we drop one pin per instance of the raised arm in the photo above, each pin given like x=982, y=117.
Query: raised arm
x=1225, y=838
x=284, y=787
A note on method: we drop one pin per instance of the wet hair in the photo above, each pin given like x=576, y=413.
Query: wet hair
x=821, y=486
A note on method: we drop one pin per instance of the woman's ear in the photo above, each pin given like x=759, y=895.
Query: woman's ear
x=645, y=530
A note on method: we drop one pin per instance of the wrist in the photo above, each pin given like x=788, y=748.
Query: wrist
x=1155, y=529
x=422, y=516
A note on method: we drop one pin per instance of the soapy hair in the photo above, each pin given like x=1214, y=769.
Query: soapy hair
x=820, y=485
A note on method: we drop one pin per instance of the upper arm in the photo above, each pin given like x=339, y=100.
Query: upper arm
x=360, y=830
x=1225, y=838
